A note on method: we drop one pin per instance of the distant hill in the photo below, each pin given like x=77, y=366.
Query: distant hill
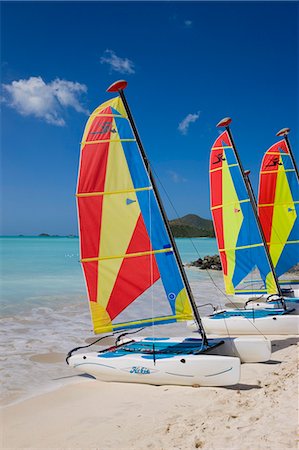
x=192, y=225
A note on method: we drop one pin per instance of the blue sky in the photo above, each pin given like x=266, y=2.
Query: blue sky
x=187, y=64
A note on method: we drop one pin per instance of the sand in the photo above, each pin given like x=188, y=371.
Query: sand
x=259, y=413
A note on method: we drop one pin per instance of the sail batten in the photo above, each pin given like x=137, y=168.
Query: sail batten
x=91, y=194
x=125, y=249
x=128, y=255
x=239, y=240
x=104, y=141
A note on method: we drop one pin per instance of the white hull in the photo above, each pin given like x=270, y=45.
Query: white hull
x=250, y=349
x=290, y=304
x=260, y=302
x=287, y=324
x=183, y=369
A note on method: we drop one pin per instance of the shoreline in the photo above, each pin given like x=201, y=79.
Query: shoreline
x=261, y=412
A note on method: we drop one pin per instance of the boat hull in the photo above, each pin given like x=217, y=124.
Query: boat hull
x=249, y=349
x=287, y=324
x=160, y=369
x=291, y=303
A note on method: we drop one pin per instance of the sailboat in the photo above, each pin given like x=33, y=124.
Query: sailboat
x=133, y=271
x=278, y=210
x=247, y=265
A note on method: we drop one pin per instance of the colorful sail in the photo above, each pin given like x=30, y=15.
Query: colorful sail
x=129, y=266
x=244, y=261
x=278, y=207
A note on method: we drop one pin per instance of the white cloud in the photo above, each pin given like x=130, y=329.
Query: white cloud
x=67, y=93
x=176, y=177
x=122, y=65
x=188, y=23
x=185, y=123
x=34, y=97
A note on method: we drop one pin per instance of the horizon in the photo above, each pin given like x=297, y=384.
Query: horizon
x=44, y=234
x=204, y=61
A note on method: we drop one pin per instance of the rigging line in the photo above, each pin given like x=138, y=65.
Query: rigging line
x=127, y=333
x=89, y=345
x=234, y=305
x=250, y=252
x=275, y=230
x=191, y=240
x=165, y=219
x=86, y=346
x=251, y=195
x=151, y=259
x=207, y=270
x=100, y=339
x=189, y=237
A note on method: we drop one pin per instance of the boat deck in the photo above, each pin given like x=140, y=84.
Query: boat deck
x=163, y=347
x=251, y=313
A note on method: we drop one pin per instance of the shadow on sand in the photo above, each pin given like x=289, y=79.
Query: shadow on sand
x=279, y=344
x=82, y=375
x=243, y=387
x=271, y=362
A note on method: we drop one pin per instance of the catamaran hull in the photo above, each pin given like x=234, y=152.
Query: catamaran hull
x=183, y=370
x=262, y=302
x=250, y=349
x=277, y=324
x=291, y=303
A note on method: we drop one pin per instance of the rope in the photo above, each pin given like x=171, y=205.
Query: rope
x=98, y=340
x=207, y=271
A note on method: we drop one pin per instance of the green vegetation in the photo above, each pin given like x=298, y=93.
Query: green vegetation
x=192, y=225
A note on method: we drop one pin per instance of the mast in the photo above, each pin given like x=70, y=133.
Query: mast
x=225, y=123
x=284, y=133
x=119, y=87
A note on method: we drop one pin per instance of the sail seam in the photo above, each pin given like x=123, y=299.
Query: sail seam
x=128, y=255
x=125, y=191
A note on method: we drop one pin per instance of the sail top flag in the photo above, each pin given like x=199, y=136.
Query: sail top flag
x=244, y=261
x=278, y=206
x=129, y=265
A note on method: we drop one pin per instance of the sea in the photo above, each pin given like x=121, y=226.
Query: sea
x=44, y=308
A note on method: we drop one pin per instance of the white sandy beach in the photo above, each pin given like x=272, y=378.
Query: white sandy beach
x=259, y=413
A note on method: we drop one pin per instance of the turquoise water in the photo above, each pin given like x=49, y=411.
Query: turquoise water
x=37, y=270
x=44, y=309
x=40, y=270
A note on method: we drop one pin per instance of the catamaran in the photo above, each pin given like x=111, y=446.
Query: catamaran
x=247, y=266
x=133, y=271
